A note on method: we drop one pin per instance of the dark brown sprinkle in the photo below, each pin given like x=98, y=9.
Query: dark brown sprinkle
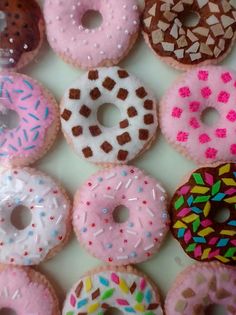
x=95, y=130
x=122, y=155
x=123, y=74
x=87, y=152
x=17, y=16
x=133, y=287
x=148, y=119
x=153, y=306
x=122, y=94
x=106, y=147
x=95, y=94
x=74, y=94
x=85, y=111
x=143, y=134
x=141, y=92
x=84, y=313
x=124, y=123
x=77, y=131
x=109, y=83
x=105, y=305
x=148, y=104
x=188, y=293
x=66, y=114
x=124, y=138
x=132, y=112
x=93, y=75
x=95, y=294
x=79, y=289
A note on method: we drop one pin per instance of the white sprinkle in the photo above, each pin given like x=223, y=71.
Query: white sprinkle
x=85, y=42
x=148, y=247
x=162, y=198
x=78, y=4
x=2, y=231
x=138, y=243
x=154, y=194
x=135, y=7
x=59, y=220
x=36, y=238
x=122, y=257
x=73, y=22
x=140, y=222
x=119, y=46
x=16, y=295
x=128, y=183
x=85, y=217
x=94, y=187
x=108, y=196
x=72, y=16
x=5, y=289
x=101, y=52
x=110, y=228
x=136, y=177
x=126, y=32
x=73, y=7
x=11, y=51
x=34, y=257
x=96, y=45
x=111, y=176
x=11, y=60
x=124, y=17
x=133, y=199
x=135, y=22
x=118, y=27
x=159, y=186
x=150, y=212
x=99, y=232
x=124, y=6
x=121, y=249
x=89, y=57
x=73, y=39
x=11, y=40
x=131, y=232
x=118, y=186
x=22, y=239
x=81, y=27
x=55, y=202
x=58, y=18
x=41, y=221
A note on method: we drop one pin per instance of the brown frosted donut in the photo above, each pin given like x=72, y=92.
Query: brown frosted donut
x=21, y=32
x=184, y=46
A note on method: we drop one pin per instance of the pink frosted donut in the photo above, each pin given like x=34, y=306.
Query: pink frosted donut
x=87, y=48
x=200, y=286
x=25, y=291
x=132, y=241
x=36, y=123
x=181, y=114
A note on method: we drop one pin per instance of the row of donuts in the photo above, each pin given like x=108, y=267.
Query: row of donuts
x=125, y=289
x=163, y=25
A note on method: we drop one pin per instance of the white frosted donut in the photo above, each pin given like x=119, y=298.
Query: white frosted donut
x=50, y=224
x=118, y=144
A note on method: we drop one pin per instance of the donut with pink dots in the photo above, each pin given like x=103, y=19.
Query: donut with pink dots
x=181, y=114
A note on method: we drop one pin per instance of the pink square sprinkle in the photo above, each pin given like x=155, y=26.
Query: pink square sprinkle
x=182, y=136
x=231, y=116
x=206, y=92
x=233, y=149
x=193, y=122
x=194, y=106
x=223, y=97
x=204, y=138
x=226, y=77
x=176, y=112
x=221, y=132
x=211, y=153
x=203, y=75
x=184, y=91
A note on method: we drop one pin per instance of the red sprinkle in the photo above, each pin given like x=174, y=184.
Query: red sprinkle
x=25, y=253
x=93, y=225
x=52, y=218
x=60, y=238
x=40, y=249
x=12, y=260
x=144, y=202
x=90, y=243
x=87, y=203
x=110, y=259
x=90, y=184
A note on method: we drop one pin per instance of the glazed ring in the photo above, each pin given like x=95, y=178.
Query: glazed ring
x=26, y=291
x=50, y=210
x=200, y=286
x=21, y=32
x=193, y=208
x=95, y=142
x=184, y=104
x=182, y=46
x=134, y=240
x=89, y=48
x=123, y=288
x=37, y=121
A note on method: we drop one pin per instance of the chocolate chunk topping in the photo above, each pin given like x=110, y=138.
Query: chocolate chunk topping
x=124, y=123
x=143, y=134
x=95, y=294
x=74, y=94
x=148, y=104
x=77, y=131
x=133, y=287
x=124, y=138
x=85, y=111
x=148, y=119
x=95, y=130
x=106, y=147
x=122, y=94
x=79, y=289
x=122, y=155
x=123, y=74
x=87, y=152
x=141, y=92
x=66, y=114
x=95, y=94
x=132, y=112
x=108, y=83
x=93, y=75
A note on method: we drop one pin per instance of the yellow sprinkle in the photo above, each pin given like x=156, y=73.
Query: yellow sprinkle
x=190, y=218
x=88, y=284
x=207, y=209
x=224, y=169
x=206, y=253
x=206, y=231
x=200, y=190
x=139, y=307
x=229, y=181
x=228, y=232
x=230, y=200
x=180, y=224
x=123, y=286
x=223, y=259
x=93, y=307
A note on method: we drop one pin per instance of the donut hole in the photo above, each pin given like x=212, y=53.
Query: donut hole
x=210, y=116
x=112, y=311
x=190, y=19
x=221, y=215
x=21, y=218
x=92, y=19
x=214, y=309
x=9, y=119
x=120, y=214
x=3, y=21
x=108, y=115
x=7, y=311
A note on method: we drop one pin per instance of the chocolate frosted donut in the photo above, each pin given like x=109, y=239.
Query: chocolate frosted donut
x=21, y=32
x=184, y=46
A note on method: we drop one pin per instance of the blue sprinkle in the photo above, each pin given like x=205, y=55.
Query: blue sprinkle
x=26, y=97
x=46, y=113
x=190, y=200
x=129, y=309
x=105, y=210
x=196, y=210
x=10, y=240
x=130, y=224
x=164, y=215
x=9, y=178
x=12, y=147
x=30, y=233
x=18, y=91
x=124, y=173
x=199, y=239
x=37, y=104
x=7, y=79
x=223, y=242
x=33, y=116
x=25, y=135
x=34, y=128
x=38, y=199
x=104, y=281
x=140, y=189
x=28, y=84
x=148, y=234
x=108, y=245
x=233, y=223
x=42, y=214
x=181, y=232
x=148, y=296
x=133, y=254
x=40, y=182
x=8, y=96
x=84, y=229
x=2, y=144
x=3, y=154
x=218, y=197
x=36, y=136
x=17, y=200
x=100, y=179
x=54, y=233
x=19, y=142
x=1, y=88
x=82, y=303
x=29, y=148
x=27, y=261
x=25, y=120
x=23, y=108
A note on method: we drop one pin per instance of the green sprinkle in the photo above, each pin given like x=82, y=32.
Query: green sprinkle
x=216, y=188
x=179, y=202
x=107, y=294
x=100, y=313
x=230, y=252
x=201, y=199
x=196, y=224
x=198, y=179
x=139, y=297
x=191, y=247
x=70, y=313
x=149, y=313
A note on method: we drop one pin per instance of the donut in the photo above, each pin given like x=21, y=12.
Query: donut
x=193, y=207
x=182, y=46
x=49, y=207
x=21, y=32
x=96, y=143
x=134, y=240
x=88, y=48
x=26, y=291
x=200, y=286
x=37, y=119
x=183, y=107
x=123, y=288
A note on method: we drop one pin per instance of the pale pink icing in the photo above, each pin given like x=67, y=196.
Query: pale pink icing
x=183, y=105
x=210, y=283
x=22, y=95
x=121, y=243
x=22, y=295
x=90, y=48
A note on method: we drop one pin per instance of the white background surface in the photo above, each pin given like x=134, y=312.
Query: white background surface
x=162, y=162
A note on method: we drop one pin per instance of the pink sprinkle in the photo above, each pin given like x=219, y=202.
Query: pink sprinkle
x=206, y=223
x=187, y=236
x=204, y=138
x=177, y=112
x=233, y=149
x=233, y=242
x=214, y=254
x=223, y=97
x=226, y=77
x=72, y=300
x=203, y=75
x=194, y=106
x=194, y=123
x=230, y=191
x=231, y=116
x=184, y=190
x=184, y=92
x=182, y=136
x=183, y=212
x=198, y=251
x=142, y=284
x=209, y=179
x=213, y=240
x=122, y=302
x=221, y=132
x=115, y=278
x=211, y=153
x=206, y=92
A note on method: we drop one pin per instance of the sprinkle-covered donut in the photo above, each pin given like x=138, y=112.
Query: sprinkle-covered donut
x=183, y=106
x=185, y=46
x=50, y=211
x=25, y=291
x=122, y=288
x=193, y=208
x=21, y=32
x=95, y=142
x=37, y=121
x=200, y=286
x=134, y=240
x=88, y=48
